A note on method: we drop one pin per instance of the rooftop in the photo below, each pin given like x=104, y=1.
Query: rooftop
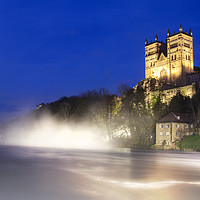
x=177, y=117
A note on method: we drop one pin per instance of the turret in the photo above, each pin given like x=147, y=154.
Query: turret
x=180, y=29
x=146, y=42
x=168, y=33
x=156, y=38
x=190, y=32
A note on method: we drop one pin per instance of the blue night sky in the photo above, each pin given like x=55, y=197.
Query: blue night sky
x=55, y=48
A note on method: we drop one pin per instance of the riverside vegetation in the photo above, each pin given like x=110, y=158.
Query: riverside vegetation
x=127, y=119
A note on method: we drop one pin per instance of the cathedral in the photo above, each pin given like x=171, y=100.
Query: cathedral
x=171, y=61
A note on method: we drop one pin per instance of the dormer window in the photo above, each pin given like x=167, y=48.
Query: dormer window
x=178, y=117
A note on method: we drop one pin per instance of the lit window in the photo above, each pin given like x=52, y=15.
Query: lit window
x=178, y=117
x=191, y=126
x=166, y=125
x=186, y=125
x=161, y=133
x=177, y=133
x=161, y=125
x=187, y=133
x=177, y=125
x=167, y=133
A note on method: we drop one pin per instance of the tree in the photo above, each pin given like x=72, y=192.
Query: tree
x=123, y=89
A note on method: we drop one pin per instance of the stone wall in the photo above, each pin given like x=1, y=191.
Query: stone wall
x=166, y=95
x=170, y=132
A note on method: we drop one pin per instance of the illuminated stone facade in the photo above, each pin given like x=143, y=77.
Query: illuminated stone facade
x=172, y=60
x=171, y=128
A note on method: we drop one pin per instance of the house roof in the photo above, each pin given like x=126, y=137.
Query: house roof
x=177, y=117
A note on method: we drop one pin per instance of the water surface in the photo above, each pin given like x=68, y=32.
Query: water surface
x=75, y=174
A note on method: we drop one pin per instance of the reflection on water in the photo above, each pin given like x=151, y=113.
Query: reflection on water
x=56, y=174
x=148, y=185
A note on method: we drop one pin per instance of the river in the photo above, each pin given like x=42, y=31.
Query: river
x=74, y=174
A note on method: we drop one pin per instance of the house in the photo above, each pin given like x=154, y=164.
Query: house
x=172, y=127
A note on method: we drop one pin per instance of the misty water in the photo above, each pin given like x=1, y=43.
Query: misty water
x=28, y=173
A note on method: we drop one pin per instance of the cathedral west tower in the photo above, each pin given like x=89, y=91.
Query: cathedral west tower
x=170, y=61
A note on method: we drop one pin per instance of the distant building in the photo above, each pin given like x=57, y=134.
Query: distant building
x=40, y=106
x=172, y=128
x=171, y=61
x=171, y=64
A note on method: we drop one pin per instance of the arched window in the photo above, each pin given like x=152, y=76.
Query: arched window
x=163, y=75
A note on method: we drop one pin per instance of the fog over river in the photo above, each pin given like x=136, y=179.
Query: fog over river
x=58, y=174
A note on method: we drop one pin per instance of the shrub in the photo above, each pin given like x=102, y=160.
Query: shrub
x=191, y=142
